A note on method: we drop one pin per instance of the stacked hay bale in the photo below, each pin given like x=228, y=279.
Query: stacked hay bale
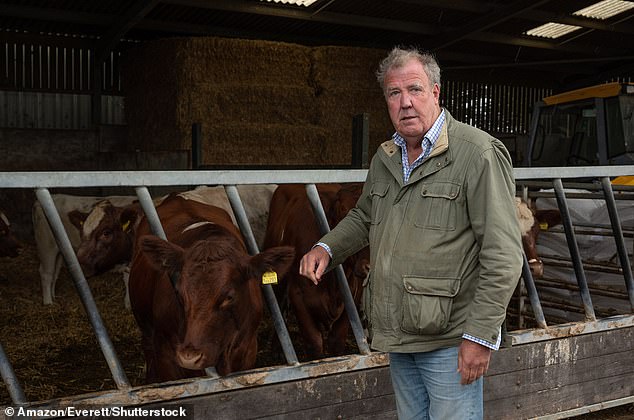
x=259, y=102
x=346, y=86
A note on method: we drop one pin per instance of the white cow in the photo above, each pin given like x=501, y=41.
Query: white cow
x=49, y=254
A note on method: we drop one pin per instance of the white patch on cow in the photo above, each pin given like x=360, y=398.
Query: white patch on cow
x=524, y=216
x=197, y=225
x=94, y=218
x=4, y=219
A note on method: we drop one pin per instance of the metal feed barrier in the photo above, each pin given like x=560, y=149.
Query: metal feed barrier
x=127, y=395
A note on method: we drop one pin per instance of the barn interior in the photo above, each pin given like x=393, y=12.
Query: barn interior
x=239, y=84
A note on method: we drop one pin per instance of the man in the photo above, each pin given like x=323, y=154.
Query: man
x=438, y=213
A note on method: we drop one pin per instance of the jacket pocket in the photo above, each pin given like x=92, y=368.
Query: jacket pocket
x=439, y=206
x=378, y=192
x=427, y=302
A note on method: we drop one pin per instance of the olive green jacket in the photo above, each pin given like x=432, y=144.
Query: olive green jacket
x=446, y=250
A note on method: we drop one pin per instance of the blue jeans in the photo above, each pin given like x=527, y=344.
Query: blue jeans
x=427, y=386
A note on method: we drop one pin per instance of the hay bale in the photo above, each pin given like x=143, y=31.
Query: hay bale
x=240, y=61
x=259, y=102
x=337, y=107
x=344, y=67
x=270, y=144
x=248, y=103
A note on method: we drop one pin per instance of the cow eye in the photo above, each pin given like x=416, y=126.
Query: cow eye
x=228, y=300
x=106, y=233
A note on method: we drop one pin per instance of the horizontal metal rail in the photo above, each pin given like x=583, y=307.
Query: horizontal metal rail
x=141, y=180
x=82, y=179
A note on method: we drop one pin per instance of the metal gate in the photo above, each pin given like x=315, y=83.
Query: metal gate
x=364, y=373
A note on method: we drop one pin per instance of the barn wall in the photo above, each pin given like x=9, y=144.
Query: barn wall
x=105, y=148
x=259, y=102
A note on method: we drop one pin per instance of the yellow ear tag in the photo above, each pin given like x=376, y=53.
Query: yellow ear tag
x=543, y=226
x=269, y=277
x=125, y=226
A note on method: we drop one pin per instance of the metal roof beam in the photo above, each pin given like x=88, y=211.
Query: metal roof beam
x=114, y=34
x=55, y=15
x=576, y=48
x=470, y=6
x=543, y=63
x=322, y=17
x=501, y=14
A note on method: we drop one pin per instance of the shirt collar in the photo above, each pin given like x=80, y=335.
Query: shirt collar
x=431, y=135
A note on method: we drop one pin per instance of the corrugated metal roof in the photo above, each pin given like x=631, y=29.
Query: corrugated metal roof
x=472, y=38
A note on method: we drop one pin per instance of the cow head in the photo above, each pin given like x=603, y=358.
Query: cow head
x=531, y=222
x=9, y=245
x=107, y=234
x=218, y=289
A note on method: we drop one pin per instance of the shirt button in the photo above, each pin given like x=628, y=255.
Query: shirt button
x=424, y=192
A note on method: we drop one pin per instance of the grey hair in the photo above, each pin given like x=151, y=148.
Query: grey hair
x=398, y=57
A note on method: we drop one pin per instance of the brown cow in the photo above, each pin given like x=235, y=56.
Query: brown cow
x=319, y=310
x=211, y=315
x=530, y=221
x=107, y=231
x=9, y=245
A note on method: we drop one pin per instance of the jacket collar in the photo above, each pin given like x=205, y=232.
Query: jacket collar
x=391, y=157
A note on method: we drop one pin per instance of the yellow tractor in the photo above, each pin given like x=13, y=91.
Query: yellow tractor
x=584, y=127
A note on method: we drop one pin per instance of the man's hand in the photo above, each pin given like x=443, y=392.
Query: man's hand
x=473, y=361
x=314, y=263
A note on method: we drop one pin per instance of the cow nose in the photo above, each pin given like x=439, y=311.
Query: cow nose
x=190, y=358
x=537, y=268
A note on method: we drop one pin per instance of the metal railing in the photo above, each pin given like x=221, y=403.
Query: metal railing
x=41, y=182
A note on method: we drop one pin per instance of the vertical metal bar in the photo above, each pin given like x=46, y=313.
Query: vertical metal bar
x=618, y=238
x=269, y=295
x=532, y=134
x=360, y=140
x=145, y=199
x=574, y=249
x=10, y=380
x=532, y=294
x=196, y=145
x=351, y=308
x=602, y=141
x=65, y=247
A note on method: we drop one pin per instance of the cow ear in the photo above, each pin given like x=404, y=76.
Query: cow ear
x=162, y=255
x=128, y=217
x=548, y=217
x=77, y=218
x=278, y=259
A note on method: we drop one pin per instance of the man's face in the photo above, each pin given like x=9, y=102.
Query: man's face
x=412, y=103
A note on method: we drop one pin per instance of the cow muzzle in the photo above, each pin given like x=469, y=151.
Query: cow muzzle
x=189, y=358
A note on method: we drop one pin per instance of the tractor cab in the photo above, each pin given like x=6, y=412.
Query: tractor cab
x=585, y=127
